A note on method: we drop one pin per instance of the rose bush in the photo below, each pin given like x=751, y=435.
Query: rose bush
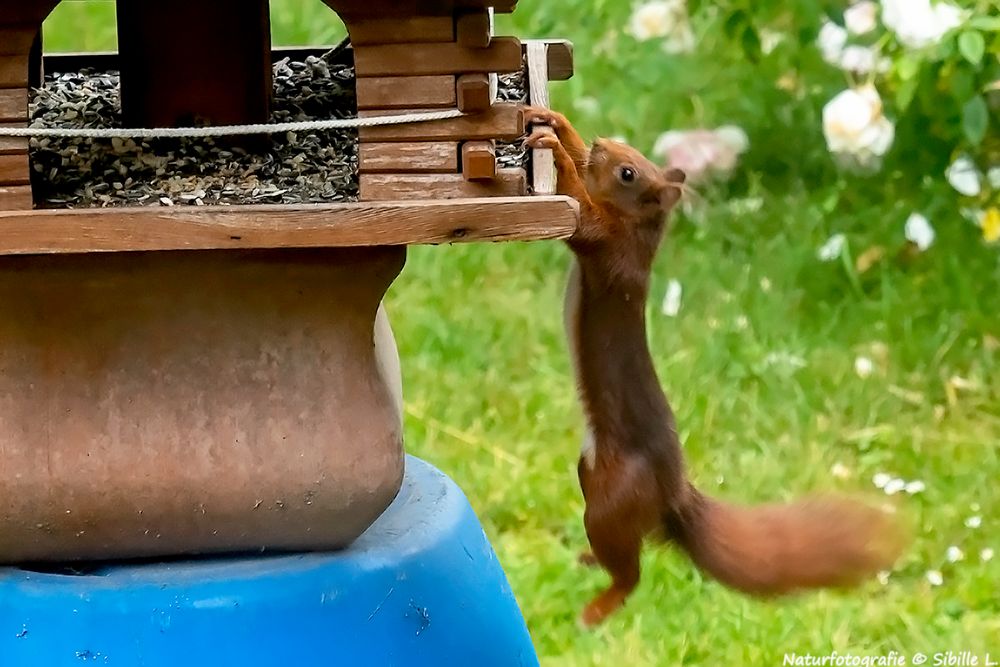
x=930, y=65
x=890, y=102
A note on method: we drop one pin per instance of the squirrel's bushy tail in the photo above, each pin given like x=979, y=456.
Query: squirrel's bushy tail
x=770, y=550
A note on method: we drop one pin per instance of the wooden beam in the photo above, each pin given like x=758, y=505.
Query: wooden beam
x=359, y=10
x=15, y=198
x=501, y=121
x=479, y=160
x=13, y=104
x=218, y=74
x=413, y=156
x=16, y=39
x=502, y=55
x=14, y=169
x=499, y=6
x=543, y=167
x=472, y=29
x=25, y=12
x=560, y=57
x=14, y=71
x=402, y=92
x=301, y=226
x=473, y=92
x=379, y=187
x=411, y=30
x=13, y=145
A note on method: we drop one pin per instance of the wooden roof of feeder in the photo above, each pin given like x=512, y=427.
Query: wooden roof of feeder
x=429, y=182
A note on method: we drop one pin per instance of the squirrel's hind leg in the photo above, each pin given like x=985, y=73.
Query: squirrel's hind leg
x=616, y=547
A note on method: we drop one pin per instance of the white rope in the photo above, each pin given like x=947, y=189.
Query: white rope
x=229, y=130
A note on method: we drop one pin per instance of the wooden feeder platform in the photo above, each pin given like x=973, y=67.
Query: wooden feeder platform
x=239, y=388
x=415, y=56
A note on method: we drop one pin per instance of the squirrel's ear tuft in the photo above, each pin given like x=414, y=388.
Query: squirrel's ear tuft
x=672, y=189
x=674, y=176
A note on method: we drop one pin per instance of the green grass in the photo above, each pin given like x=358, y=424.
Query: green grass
x=490, y=397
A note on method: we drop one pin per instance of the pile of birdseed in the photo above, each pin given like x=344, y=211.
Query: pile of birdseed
x=74, y=172
x=512, y=88
x=305, y=167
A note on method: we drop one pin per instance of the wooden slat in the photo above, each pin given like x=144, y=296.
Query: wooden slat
x=14, y=71
x=560, y=57
x=14, y=169
x=401, y=92
x=302, y=226
x=502, y=55
x=402, y=157
x=479, y=160
x=15, y=198
x=25, y=12
x=499, y=6
x=13, y=104
x=9, y=145
x=378, y=187
x=472, y=92
x=109, y=60
x=361, y=10
x=543, y=168
x=472, y=29
x=219, y=73
x=351, y=10
x=16, y=39
x=412, y=30
x=501, y=121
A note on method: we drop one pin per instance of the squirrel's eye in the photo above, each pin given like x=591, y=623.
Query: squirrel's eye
x=627, y=175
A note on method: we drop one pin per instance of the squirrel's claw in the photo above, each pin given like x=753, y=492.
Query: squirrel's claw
x=540, y=116
x=541, y=138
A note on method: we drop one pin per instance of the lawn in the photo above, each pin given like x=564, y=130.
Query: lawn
x=759, y=365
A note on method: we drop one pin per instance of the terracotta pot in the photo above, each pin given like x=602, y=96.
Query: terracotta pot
x=167, y=403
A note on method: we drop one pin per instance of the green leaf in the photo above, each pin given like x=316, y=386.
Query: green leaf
x=907, y=68
x=987, y=23
x=905, y=93
x=751, y=44
x=734, y=23
x=963, y=83
x=975, y=119
x=972, y=45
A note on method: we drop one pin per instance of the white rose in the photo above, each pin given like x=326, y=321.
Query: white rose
x=919, y=23
x=832, y=40
x=734, y=137
x=861, y=17
x=919, y=231
x=993, y=176
x=832, y=249
x=681, y=40
x=854, y=126
x=964, y=177
x=656, y=19
x=862, y=60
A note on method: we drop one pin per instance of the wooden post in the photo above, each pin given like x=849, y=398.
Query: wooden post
x=20, y=65
x=194, y=62
x=543, y=180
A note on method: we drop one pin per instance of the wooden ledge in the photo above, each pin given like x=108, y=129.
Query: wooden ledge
x=287, y=226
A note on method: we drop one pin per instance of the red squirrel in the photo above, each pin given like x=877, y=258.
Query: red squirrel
x=631, y=467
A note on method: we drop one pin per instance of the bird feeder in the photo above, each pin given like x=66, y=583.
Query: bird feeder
x=197, y=379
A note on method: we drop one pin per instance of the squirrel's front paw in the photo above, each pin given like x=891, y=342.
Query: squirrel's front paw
x=541, y=138
x=541, y=116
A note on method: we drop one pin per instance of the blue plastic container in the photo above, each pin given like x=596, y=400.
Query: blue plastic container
x=421, y=587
